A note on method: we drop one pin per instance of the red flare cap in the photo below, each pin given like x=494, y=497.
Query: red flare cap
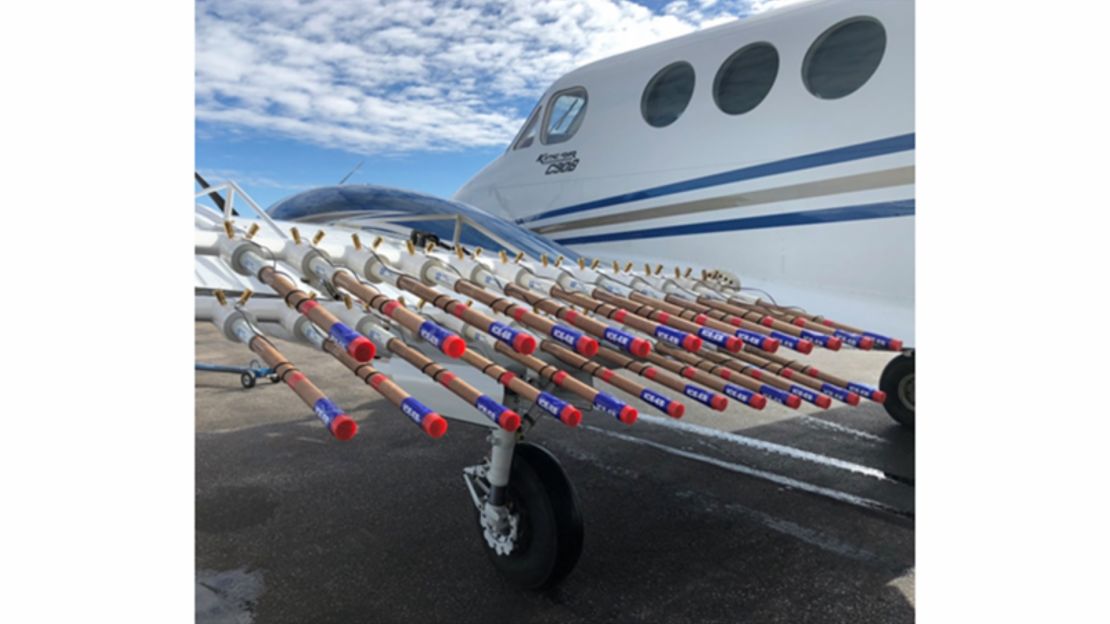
x=523, y=343
x=758, y=402
x=691, y=343
x=640, y=347
x=770, y=345
x=509, y=420
x=804, y=346
x=718, y=402
x=434, y=425
x=799, y=321
x=586, y=346
x=453, y=346
x=822, y=401
x=767, y=321
x=833, y=343
x=570, y=415
x=866, y=343
x=361, y=349
x=895, y=344
x=878, y=396
x=792, y=401
x=827, y=323
x=676, y=409
x=852, y=399
x=628, y=415
x=734, y=344
x=812, y=371
x=785, y=372
x=343, y=427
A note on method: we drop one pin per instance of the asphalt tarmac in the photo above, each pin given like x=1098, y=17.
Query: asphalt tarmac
x=700, y=522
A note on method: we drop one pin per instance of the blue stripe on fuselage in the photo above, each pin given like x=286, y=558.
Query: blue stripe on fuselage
x=882, y=210
x=847, y=153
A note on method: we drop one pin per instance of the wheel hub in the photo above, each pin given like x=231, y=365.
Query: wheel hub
x=500, y=528
x=905, y=391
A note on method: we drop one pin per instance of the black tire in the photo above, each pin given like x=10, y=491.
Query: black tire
x=897, y=382
x=247, y=379
x=550, y=531
x=274, y=379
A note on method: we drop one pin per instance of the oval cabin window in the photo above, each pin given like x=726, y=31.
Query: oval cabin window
x=667, y=94
x=745, y=78
x=844, y=57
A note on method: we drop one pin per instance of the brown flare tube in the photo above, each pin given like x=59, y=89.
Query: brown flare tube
x=359, y=346
x=586, y=345
x=767, y=343
x=712, y=399
x=520, y=341
x=637, y=346
x=832, y=343
x=668, y=406
x=723, y=370
x=342, y=426
x=449, y=343
x=690, y=342
x=507, y=419
x=568, y=414
x=432, y=423
x=728, y=341
x=551, y=373
x=643, y=369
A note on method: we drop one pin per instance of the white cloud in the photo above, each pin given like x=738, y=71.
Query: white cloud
x=376, y=76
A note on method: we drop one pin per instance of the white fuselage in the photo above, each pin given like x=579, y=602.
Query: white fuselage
x=808, y=198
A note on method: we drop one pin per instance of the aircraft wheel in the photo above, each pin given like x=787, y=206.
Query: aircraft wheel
x=545, y=516
x=897, y=382
x=247, y=380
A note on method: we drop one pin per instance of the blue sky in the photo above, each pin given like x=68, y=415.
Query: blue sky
x=292, y=94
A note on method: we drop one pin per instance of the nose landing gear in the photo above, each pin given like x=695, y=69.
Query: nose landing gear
x=531, y=526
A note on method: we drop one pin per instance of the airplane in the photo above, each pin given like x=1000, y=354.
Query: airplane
x=577, y=254
x=780, y=146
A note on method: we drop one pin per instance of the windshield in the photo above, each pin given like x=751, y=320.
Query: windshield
x=377, y=208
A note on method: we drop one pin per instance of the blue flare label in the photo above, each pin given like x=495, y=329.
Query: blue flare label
x=326, y=410
x=774, y=394
x=342, y=334
x=859, y=388
x=565, y=335
x=504, y=333
x=701, y=395
x=550, y=404
x=805, y=393
x=609, y=404
x=836, y=392
x=434, y=333
x=670, y=335
x=880, y=341
x=791, y=342
x=656, y=399
x=740, y=394
x=618, y=337
x=750, y=337
x=415, y=410
x=848, y=337
x=492, y=409
x=709, y=334
x=820, y=339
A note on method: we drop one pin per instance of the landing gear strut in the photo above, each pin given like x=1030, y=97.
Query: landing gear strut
x=897, y=382
x=527, y=512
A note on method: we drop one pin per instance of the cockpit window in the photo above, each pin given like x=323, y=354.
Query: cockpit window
x=528, y=132
x=844, y=57
x=564, y=115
